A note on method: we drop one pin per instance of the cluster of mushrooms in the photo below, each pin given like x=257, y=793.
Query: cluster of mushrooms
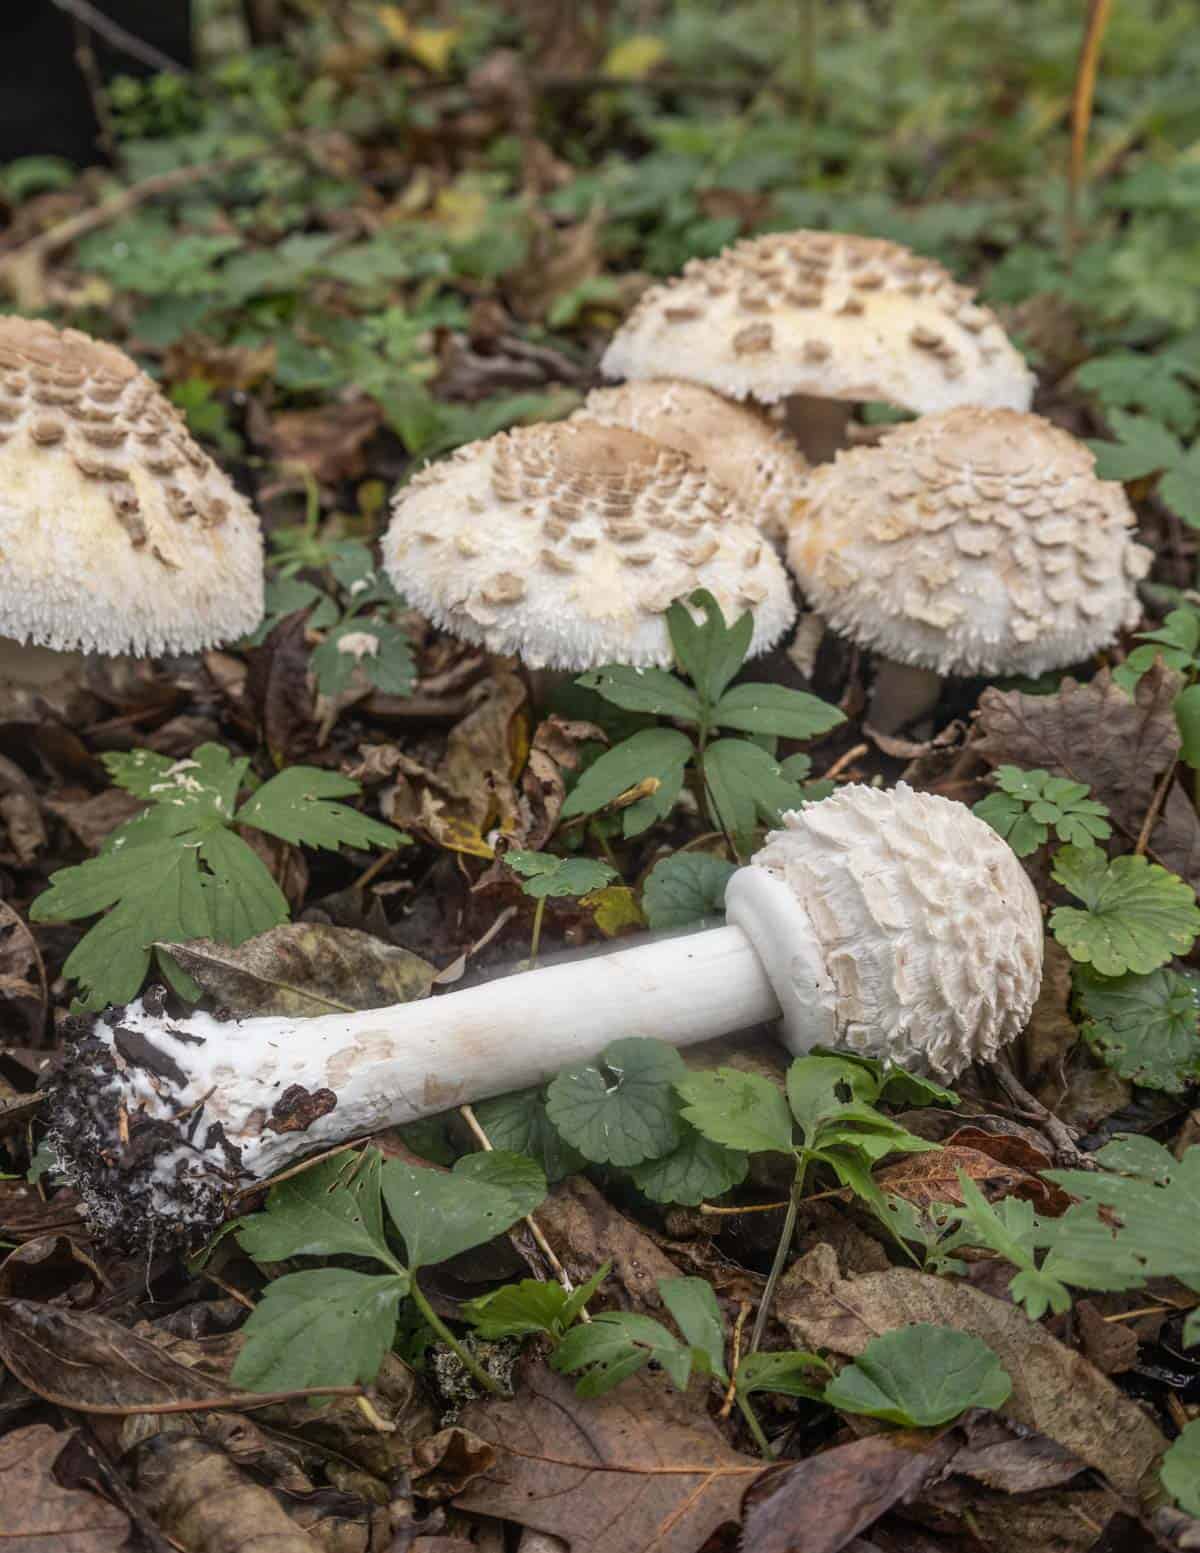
x=973, y=539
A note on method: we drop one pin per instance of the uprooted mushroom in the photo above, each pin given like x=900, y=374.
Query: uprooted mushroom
x=820, y=321
x=896, y=924
x=118, y=534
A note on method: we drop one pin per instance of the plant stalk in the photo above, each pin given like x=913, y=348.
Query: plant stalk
x=476, y=1370
x=781, y=1252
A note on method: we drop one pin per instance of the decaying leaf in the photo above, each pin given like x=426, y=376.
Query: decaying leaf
x=23, y=991
x=641, y=1470
x=1000, y=1166
x=38, y=1515
x=586, y=1232
x=305, y=968
x=1055, y=1390
x=328, y=441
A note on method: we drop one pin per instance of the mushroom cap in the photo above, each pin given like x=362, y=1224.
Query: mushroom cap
x=566, y=544
x=118, y=534
x=735, y=443
x=828, y=315
x=972, y=542
x=929, y=928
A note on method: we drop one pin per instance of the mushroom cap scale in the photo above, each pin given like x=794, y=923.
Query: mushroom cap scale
x=828, y=315
x=118, y=534
x=735, y=443
x=928, y=928
x=971, y=542
x=566, y=544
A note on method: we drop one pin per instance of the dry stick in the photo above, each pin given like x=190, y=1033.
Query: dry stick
x=1081, y=112
x=543, y=1245
x=122, y=40
x=1057, y=1131
x=848, y=759
x=236, y=1402
x=85, y=59
x=735, y=1354
x=1152, y=813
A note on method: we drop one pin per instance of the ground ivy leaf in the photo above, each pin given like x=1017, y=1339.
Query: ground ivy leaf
x=296, y=806
x=1146, y=1028
x=620, y=1109
x=326, y=1327
x=440, y=1215
x=684, y=889
x=774, y=709
x=738, y=1110
x=644, y=690
x=545, y=874
x=1138, y=915
x=920, y=1376
x=695, y=1171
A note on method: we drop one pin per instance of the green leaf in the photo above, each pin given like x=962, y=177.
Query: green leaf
x=201, y=786
x=660, y=754
x=920, y=1376
x=737, y=1110
x=821, y=1086
x=1010, y=1229
x=789, y=1372
x=328, y=1210
x=693, y=1306
x=644, y=690
x=518, y=1123
x=1179, y=488
x=766, y=708
x=1180, y=1470
x=615, y=1345
x=1187, y=716
x=546, y=874
x=698, y=1169
x=1030, y=803
x=709, y=652
x=684, y=889
x=745, y=784
x=388, y=664
x=620, y=1109
x=1143, y=447
x=1138, y=915
x=327, y=1327
x=1009, y=818
x=296, y=807
x=521, y=1309
x=1129, y=380
x=440, y=1215
x=1146, y=1028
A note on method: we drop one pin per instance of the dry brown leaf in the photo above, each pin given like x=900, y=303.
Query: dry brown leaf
x=93, y=819
x=585, y=1232
x=279, y=688
x=641, y=1470
x=853, y=1485
x=445, y=1463
x=1112, y=1346
x=329, y=442
x=555, y=749
x=1119, y=745
x=305, y=968
x=38, y=1515
x=23, y=991
x=1055, y=1390
x=925, y=1179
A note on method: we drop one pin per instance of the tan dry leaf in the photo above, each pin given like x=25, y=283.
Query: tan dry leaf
x=1119, y=745
x=23, y=990
x=585, y=1232
x=925, y=1179
x=641, y=1470
x=1055, y=1390
x=92, y=820
x=39, y=1515
x=305, y=968
x=328, y=442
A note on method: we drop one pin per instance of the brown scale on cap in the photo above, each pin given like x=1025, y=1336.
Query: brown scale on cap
x=975, y=541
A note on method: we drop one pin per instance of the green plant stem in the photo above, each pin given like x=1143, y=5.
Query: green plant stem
x=443, y=1331
x=755, y=1428
x=781, y=1251
x=535, y=938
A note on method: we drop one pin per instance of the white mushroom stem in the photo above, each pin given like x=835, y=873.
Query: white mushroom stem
x=902, y=693
x=817, y=426
x=895, y=922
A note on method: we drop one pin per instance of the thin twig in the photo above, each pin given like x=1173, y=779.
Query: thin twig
x=845, y=760
x=116, y=35
x=735, y=1354
x=1082, y=98
x=85, y=58
x=236, y=1402
x=1152, y=813
x=1059, y=1134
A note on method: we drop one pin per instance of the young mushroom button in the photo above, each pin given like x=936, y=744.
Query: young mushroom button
x=819, y=321
x=972, y=542
x=118, y=534
x=895, y=924
x=567, y=544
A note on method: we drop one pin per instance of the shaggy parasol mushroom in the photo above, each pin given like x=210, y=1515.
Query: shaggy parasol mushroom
x=821, y=320
x=972, y=542
x=893, y=923
x=567, y=545
x=736, y=443
x=117, y=533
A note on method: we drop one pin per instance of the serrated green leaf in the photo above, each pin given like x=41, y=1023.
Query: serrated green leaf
x=327, y=1327
x=920, y=1376
x=709, y=651
x=440, y=1215
x=615, y=1345
x=1010, y=1229
x=1143, y=447
x=296, y=806
x=774, y=709
x=696, y=1170
x=684, y=889
x=1138, y=915
x=521, y=1309
x=1010, y=818
x=790, y=1372
x=200, y=786
x=660, y=754
x=519, y=1124
x=1146, y=1028
x=620, y=1109
x=331, y=1209
x=694, y=1309
x=1180, y=1470
x=737, y=1110
x=1179, y=488
x=744, y=785
x=644, y=690
x=545, y=874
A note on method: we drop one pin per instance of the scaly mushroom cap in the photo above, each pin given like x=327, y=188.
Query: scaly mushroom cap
x=567, y=544
x=735, y=443
x=117, y=533
x=828, y=315
x=973, y=542
x=928, y=926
